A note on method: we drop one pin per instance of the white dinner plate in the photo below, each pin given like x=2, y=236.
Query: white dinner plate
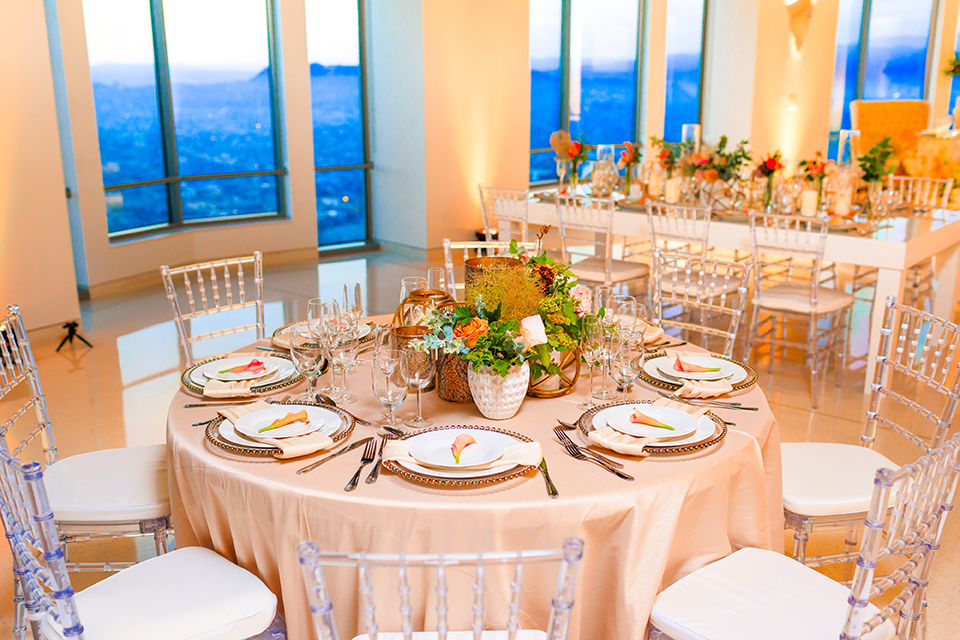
x=199, y=375
x=229, y=432
x=434, y=449
x=319, y=419
x=666, y=367
x=651, y=368
x=618, y=417
x=218, y=372
x=490, y=437
x=706, y=428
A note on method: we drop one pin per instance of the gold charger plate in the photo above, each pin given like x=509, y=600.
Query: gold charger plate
x=749, y=381
x=719, y=431
x=255, y=390
x=516, y=472
x=213, y=432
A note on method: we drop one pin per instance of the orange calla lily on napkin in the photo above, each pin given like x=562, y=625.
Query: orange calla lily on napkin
x=290, y=418
x=459, y=444
x=254, y=366
x=641, y=418
x=687, y=367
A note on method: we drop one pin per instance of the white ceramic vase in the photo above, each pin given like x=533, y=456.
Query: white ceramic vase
x=499, y=397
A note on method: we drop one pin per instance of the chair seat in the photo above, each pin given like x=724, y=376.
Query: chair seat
x=795, y=296
x=756, y=594
x=110, y=486
x=827, y=478
x=593, y=269
x=522, y=634
x=191, y=593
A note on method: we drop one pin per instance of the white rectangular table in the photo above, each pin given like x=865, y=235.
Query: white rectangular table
x=900, y=243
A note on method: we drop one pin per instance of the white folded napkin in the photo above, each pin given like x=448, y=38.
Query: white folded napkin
x=221, y=389
x=652, y=333
x=703, y=388
x=289, y=447
x=610, y=438
x=522, y=453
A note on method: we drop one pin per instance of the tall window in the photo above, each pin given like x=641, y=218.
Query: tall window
x=339, y=149
x=685, y=34
x=185, y=102
x=890, y=63
x=584, y=72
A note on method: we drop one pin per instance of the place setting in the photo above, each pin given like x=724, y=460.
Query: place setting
x=241, y=375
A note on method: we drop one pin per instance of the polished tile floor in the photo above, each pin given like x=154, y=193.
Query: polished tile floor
x=117, y=393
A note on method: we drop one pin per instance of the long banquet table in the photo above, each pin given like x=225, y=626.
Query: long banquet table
x=681, y=513
x=900, y=242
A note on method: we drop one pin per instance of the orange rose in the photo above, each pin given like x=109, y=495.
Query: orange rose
x=711, y=175
x=471, y=331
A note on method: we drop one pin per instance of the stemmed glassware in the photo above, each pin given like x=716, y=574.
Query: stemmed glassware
x=389, y=385
x=591, y=346
x=352, y=308
x=411, y=283
x=562, y=167
x=307, y=355
x=436, y=280
x=343, y=346
x=605, y=300
x=324, y=321
x=417, y=367
x=625, y=363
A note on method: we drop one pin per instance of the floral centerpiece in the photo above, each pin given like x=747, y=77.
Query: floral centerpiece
x=574, y=150
x=726, y=164
x=875, y=166
x=952, y=69
x=768, y=168
x=670, y=153
x=511, y=326
x=630, y=157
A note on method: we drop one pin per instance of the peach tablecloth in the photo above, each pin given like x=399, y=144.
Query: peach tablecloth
x=680, y=514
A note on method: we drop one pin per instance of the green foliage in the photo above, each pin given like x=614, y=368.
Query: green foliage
x=727, y=164
x=953, y=66
x=498, y=349
x=876, y=164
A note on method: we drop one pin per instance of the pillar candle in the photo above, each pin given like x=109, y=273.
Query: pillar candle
x=655, y=186
x=808, y=202
x=672, y=190
x=842, y=203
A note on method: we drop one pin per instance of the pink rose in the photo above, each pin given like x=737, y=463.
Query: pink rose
x=582, y=295
x=532, y=332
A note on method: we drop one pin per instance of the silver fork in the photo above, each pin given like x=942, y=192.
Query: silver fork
x=575, y=453
x=567, y=440
x=369, y=453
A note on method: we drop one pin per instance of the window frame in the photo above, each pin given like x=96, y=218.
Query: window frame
x=643, y=27
x=172, y=177
x=367, y=164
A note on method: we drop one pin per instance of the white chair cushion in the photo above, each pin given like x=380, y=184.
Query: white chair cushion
x=755, y=594
x=522, y=634
x=109, y=486
x=795, y=296
x=593, y=269
x=190, y=593
x=827, y=478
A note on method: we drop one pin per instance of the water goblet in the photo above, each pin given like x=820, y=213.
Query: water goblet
x=343, y=350
x=389, y=385
x=600, y=296
x=436, y=279
x=307, y=355
x=323, y=316
x=591, y=343
x=411, y=283
x=625, y=365
x=416, y=367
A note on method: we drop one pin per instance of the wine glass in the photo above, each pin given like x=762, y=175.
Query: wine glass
x=323, y=316
x=411, y=283
x=307, y=355
x=352, y=308
x=600, y=296
x=436, y=280
x=606, y=352
x=344, y=347
x=381, y=337
x=416, y=367
x=562, y=167
x=389, y=385
x=625, y=364
x=591, y=343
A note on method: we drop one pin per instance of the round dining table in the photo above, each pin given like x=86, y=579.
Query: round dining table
x=680, y=513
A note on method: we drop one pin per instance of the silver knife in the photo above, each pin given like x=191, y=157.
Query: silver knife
x=349, y=447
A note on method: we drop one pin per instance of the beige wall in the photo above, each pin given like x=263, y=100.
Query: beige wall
x=36, y=260
x=106, y=262
x=476, y=76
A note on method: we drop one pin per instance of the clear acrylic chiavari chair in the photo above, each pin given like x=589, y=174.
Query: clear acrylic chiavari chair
x=914, y=394
x=506, y=211
x=200, y=593
x=921, y=195
x=586, y=233
x=210, y=288
x=701, y=295
x=473, y=249
x=778, y=598
x=105, y=494
x=678, y=228
x=789, y=292
x=445, y=568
